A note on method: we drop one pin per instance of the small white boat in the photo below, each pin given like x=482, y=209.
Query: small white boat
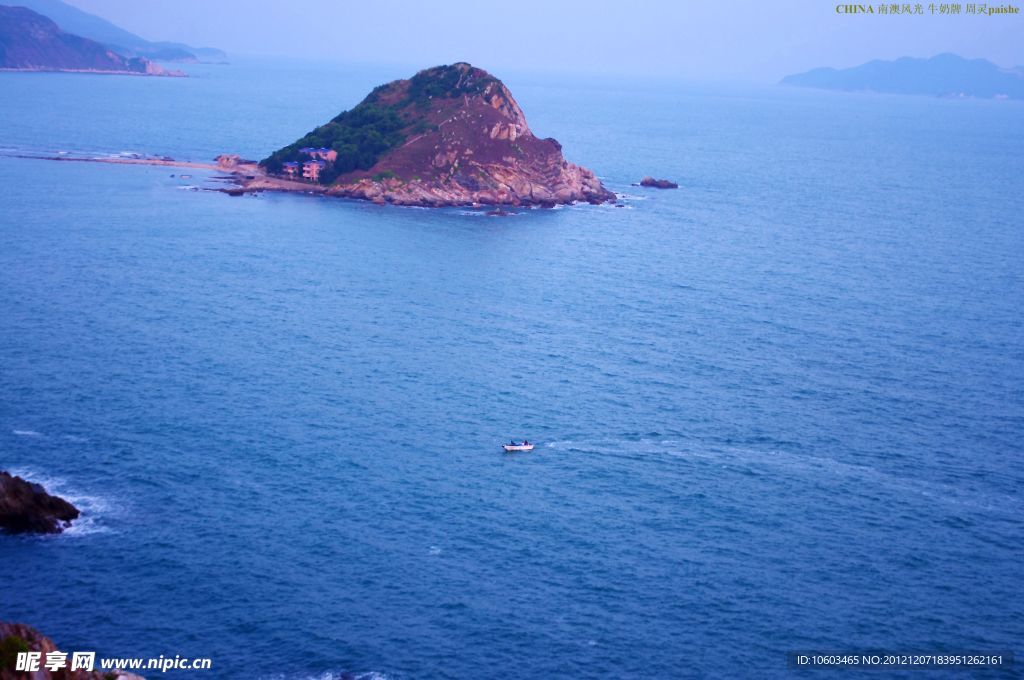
x=525, y=446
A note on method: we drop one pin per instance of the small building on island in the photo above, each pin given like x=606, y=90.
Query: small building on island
x=290, y=168
x=228, y=160
x=323, y=153
x=311, y=170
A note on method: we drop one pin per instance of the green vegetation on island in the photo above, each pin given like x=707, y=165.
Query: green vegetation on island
x=381, y=122
x=359, y=137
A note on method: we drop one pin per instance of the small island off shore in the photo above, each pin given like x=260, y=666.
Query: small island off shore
x=449, y=136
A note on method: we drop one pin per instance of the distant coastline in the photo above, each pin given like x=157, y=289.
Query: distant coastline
x=162, y=73
x=125, y=43
x=34, y=43
x=944, y=75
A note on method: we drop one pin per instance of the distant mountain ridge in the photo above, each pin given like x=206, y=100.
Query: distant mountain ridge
x=78, y=22
x=32, y=42
x=944, y=75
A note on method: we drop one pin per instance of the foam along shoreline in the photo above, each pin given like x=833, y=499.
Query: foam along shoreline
x=160, y=73
x=248, y=175
x=249, y=178
x=116, y=160
x=27, y=508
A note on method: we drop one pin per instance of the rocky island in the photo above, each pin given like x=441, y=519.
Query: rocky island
x=32, y=42
x=448, y=136
x=27, y=508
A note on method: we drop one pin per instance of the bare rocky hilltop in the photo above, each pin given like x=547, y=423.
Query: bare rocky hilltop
x=450, y=135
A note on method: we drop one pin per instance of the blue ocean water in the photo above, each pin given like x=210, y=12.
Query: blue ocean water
x=780, y=408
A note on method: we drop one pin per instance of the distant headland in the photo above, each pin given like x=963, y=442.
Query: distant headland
x=450, y=135
x=31, y=42
x=73, y=20
x=944, y=75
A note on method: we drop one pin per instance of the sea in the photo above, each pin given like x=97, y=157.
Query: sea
x=780, y=408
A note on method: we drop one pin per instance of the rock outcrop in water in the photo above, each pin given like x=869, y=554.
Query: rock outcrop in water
x=18, y=637
x=31, y=42
x=27, y=508
x=658, y=183
x=450, y=135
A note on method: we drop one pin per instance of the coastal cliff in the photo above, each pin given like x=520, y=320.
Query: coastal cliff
x=450, y=135
x=32, y=42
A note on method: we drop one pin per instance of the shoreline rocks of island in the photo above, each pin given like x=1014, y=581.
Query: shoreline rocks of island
x=27, y=508
x=250, y=178
x=416, y=193
x=522, y=193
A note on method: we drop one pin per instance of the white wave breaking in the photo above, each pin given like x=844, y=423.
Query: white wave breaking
x=95, y=510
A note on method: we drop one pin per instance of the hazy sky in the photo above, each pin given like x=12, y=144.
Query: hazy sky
x=756, y=41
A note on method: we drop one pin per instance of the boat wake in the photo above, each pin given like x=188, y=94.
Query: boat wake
x=773, y=460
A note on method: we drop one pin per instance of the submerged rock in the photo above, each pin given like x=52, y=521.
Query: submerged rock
x=27, y=508
x=450, y=135
x=658, y=183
